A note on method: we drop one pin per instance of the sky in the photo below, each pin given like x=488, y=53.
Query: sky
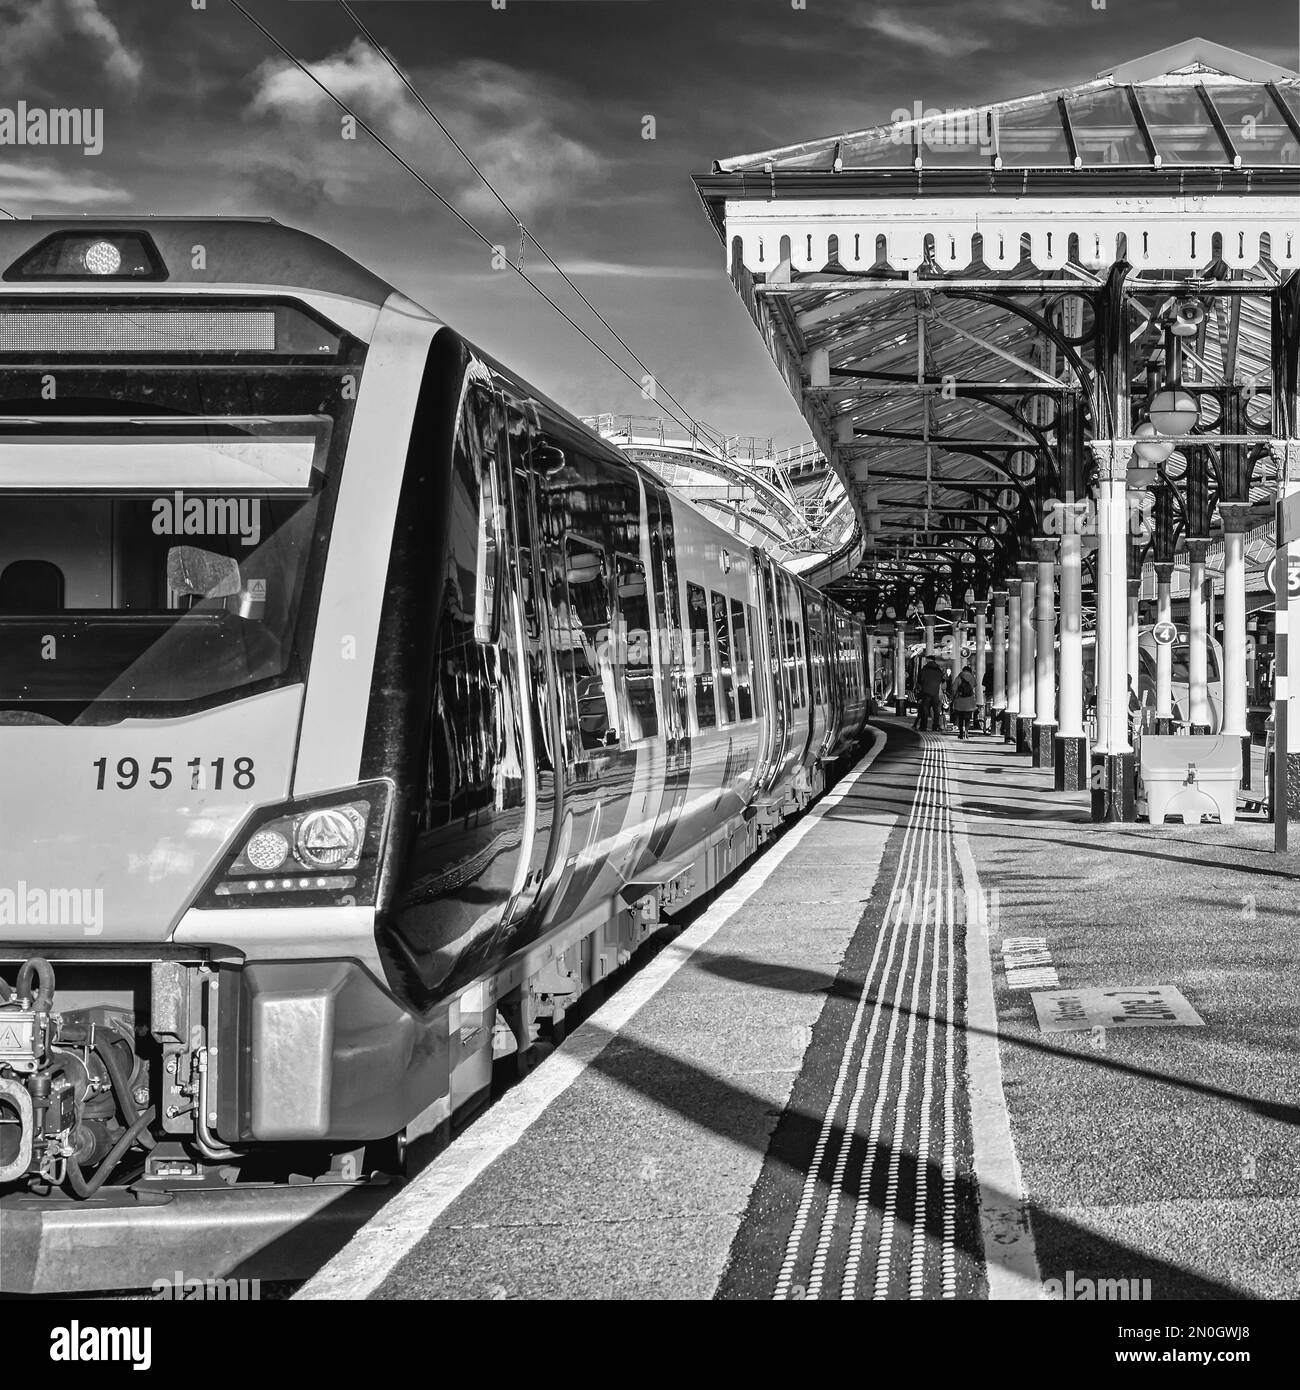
x=551, y=99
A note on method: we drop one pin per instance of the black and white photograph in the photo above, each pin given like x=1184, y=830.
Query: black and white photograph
x=644, y=657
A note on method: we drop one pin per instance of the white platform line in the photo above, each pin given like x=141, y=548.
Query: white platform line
x=1009, y=1254
x=372, y=1254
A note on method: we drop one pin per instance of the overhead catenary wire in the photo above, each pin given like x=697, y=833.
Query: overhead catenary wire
x=430, y=189
x=524, y=231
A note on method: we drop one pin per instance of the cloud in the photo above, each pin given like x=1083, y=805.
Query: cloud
x=27, y=187
x=513, y=124
x=623, y=269
x=939, y=28
x=36, y=41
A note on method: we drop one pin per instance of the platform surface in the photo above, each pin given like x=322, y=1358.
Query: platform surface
x=834, y=1083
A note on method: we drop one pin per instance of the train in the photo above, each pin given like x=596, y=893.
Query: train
x=359, y=709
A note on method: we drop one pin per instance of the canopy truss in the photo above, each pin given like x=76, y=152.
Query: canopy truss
x=959, y=301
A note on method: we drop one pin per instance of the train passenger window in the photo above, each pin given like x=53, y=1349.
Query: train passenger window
x=726, y=677
x=666, y=595
x=697, y=607
x=582, y=619
x=794, y=665
x=635, y=636
x=487, y=618
x=754, y=657
x=744, y=662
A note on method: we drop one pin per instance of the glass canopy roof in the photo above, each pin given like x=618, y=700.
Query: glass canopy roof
x=935, y=386
x=1193, y=117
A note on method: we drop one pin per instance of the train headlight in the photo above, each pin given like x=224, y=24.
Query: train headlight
x=329, y=839
x=268, y=849
x=102, y=258
x=323, y=851
x=85, y=255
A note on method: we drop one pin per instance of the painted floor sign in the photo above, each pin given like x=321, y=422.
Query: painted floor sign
x=1027, y=963
x=1143, y=1006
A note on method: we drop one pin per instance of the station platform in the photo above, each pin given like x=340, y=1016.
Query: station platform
x=835, y=1083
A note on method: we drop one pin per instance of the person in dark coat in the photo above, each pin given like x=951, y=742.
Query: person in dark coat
x=964, y=700
x=929, y=688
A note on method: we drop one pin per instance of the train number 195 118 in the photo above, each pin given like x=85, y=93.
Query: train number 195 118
x=203, y=774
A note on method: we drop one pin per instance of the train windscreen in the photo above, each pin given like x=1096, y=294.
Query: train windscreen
x=149, y=570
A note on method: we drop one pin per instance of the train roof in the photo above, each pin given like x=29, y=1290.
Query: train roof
x=241, y=251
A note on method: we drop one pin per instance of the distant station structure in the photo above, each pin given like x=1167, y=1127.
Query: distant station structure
x=789, y=502
x=1050, y=347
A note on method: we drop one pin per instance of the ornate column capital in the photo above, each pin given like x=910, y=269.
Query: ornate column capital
x=1235, y=516
x=999, y=598
x=1112, y=457
x=1287, y=454
x=1045, y=550
x=1196, y=548
x=1164, y=571
x=1028, y=570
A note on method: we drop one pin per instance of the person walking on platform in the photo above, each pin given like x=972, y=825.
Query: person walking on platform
x=964, y=700
x=929, y=688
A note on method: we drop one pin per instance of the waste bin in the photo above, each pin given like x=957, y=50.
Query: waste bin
x=1189, y=776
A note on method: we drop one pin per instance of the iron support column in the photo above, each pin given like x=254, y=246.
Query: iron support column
x=1013, y=663
x=1164, y=652
x=1113, y=780
x=900, y=667
x=1236, y=520
x=1070, y=763
x=1198, y=697
x=1000, y=653
x=1044, y=731
x=1025, y=707
x=981, y=655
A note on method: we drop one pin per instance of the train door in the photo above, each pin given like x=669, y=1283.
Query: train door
x=531, y=616
x=796, y=667
x=674, y=678
x=474, y=806
x=778, y=692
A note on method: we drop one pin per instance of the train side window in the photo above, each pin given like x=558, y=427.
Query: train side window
x=726, y=675
x=794, y=664
x=634, y=634
x=671, y=652
x=706, y=711
x=754, y=655
x=582, y=619
x=487, y=617
x=744, y=662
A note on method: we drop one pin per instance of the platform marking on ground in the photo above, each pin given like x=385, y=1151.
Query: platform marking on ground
x=807, y=1197
x=1142, y=1006
x=1027, y=963
x=848, y=1284
x=917, y=918
x=1009, y=1254
x=374, y=1252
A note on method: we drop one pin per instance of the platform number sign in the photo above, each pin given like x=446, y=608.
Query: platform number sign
x=1164, y=634
x=1293, y=577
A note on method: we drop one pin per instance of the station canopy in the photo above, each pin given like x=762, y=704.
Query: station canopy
x=928, y=289
x=786, y=501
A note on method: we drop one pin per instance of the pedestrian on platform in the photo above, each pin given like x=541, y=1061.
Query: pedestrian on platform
x=964, y=700
x=929, y=688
